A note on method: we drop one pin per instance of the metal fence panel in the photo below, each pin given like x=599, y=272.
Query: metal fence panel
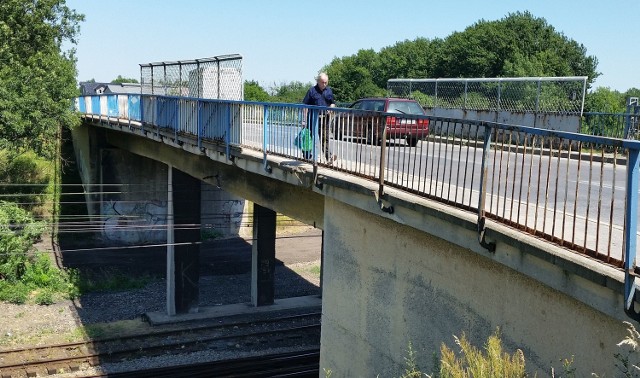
x=218, y=77
x=134, y=107
x=541, y=94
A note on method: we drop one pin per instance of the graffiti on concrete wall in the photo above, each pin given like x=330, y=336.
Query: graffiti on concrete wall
x=135, y=222
x=227, y=219
x=235, y=209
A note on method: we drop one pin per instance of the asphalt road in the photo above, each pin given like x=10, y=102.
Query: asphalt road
x=580, y=201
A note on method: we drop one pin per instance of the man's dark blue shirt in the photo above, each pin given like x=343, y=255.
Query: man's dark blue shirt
x=319, y=98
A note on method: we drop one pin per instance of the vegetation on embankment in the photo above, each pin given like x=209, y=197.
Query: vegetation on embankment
x=37, y=87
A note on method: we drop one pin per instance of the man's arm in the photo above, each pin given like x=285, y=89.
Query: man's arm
x=332, y=98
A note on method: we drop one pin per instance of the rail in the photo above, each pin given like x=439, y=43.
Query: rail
x=577, y=191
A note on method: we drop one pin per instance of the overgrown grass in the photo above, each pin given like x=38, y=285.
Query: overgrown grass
x=210, y=234
x=474, y=362
x=309, y=269
x=108, y=281
x=492, y=361
x=628, y=359
x=97, y=331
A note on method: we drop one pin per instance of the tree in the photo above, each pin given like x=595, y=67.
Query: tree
x=605, y=100
x=517, y=45
x=37, y=78
x=407, y=60
x=290, y=93
x=254, y=92
x=631, y=92
x=120, y=80
x=355, y=76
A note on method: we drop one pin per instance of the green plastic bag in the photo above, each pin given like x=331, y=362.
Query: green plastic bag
x=303, y=140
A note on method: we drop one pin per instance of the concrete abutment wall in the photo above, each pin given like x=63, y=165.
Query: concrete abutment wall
x=126, y=194
x=387, y=285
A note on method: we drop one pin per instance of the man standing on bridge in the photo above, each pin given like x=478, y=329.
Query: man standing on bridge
x=320, y=95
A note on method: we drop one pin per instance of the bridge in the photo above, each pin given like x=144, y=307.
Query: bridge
x=479, y=225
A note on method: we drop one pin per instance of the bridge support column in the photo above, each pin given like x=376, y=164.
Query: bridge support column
x=263, y=257
x=183, y=249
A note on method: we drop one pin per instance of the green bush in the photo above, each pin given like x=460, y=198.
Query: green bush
x=44, y=297
x=13, y=292
x=18, y=231
x=26, y=178
x=23, y=271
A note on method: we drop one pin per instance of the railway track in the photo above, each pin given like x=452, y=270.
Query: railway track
x=294, y=364
x=70, y=357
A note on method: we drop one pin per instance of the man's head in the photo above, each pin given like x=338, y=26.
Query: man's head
x=322, y=80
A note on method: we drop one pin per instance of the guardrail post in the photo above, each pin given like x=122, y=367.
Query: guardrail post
x=142, y=97
x=535, y=116
x=176, y=118
x=466, y=88
x=484, y=171
x=630, y=234
x=265, y=133
x=199, y=124
x=627, y=126
x=383, y=161
x=227, y=136
x=314, y=136
x=435, y=101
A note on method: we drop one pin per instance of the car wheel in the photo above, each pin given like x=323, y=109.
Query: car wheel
x=412, y=142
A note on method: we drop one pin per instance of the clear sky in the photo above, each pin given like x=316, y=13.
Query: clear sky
x=291, y=40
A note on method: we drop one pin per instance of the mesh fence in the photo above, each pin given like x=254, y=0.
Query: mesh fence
x=218, y=77
x=544, y=94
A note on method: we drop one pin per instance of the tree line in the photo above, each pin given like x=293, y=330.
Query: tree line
x=518, y=45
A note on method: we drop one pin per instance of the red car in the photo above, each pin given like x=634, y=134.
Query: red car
x=405, y=125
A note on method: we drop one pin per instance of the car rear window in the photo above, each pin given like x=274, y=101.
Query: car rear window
x=406, y=107
x=376, y=105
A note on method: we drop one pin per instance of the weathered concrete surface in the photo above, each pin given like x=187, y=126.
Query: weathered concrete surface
x=387, y=284
x=245, y=178
x=223, y=213
x=126, y=193
x=133, y=198
x=541, y=120
x=85, y=150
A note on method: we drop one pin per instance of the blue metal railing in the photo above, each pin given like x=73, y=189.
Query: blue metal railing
x=578, y=191
x=604, y=124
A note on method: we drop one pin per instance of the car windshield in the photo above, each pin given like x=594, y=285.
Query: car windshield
x=405, y=107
